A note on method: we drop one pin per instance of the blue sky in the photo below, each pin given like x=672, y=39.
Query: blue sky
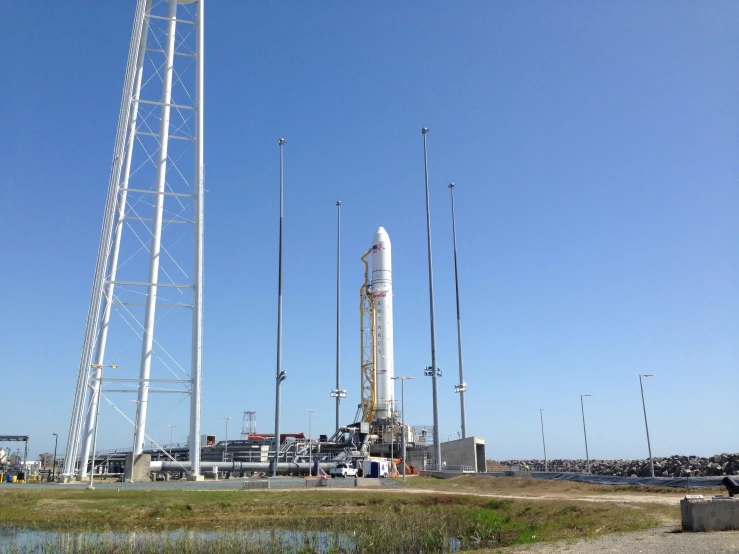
x=594, y=150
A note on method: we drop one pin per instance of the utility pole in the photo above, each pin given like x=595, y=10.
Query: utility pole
x=225, y=450
x=587, y=455
x=310, y=443
x=171, y=428
x=403, y=379
x=392, y=427
x=53, y=467
x=543, y=442
x=644, y=405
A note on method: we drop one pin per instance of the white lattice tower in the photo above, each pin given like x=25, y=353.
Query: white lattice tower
x=249, y=425
x=148, y=275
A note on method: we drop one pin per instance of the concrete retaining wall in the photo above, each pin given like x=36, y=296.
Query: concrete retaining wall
x=463, y=452
x=362, y=482
x=714, y=514
x=442, y=474
x=316, y=482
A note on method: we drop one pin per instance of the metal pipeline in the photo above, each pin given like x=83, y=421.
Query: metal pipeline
x=282, y=468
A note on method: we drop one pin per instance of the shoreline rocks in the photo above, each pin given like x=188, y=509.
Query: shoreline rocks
x=671, y=466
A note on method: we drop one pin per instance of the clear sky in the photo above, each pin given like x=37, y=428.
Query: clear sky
x=594, y=148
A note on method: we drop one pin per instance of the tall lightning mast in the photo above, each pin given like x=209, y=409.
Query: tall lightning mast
x=338, y=393
x=154, y=207
x=462, y=386
x=433, y=371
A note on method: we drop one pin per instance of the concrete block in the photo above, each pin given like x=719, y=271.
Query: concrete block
x=366, y=482
x=138, y=470
x=709, y=514
x=195, y=478
x=256, y=484
x=315, y=482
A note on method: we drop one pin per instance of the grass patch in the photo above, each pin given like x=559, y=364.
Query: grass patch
x=526, y=486
x=378, y=522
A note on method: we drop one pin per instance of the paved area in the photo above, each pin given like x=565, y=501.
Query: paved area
x=665, y=540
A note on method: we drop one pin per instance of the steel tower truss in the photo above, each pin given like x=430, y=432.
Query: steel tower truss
x=149, y=270
x=249, y=424
x=367, y=345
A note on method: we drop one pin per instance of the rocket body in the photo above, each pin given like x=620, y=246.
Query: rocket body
x=382, y=292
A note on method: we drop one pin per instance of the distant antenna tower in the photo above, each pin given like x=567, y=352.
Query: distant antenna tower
x=249, y=427
x=150, y=257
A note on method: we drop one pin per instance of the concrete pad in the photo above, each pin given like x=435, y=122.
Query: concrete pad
x=195, y=478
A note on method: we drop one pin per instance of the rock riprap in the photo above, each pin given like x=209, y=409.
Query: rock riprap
x=672, y=466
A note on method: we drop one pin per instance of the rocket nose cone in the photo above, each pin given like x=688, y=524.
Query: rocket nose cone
x=380, y=236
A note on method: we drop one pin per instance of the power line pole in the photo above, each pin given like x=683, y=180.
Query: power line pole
x=644, y=405
x=587, y=455
x=543, y=442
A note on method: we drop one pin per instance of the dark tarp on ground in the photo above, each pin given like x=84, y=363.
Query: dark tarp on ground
x=679, y=482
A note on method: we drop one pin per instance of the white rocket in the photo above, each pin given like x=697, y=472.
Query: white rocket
x=382, y=292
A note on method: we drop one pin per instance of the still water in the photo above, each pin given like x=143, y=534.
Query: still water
x=182, y=541
x=290, y=541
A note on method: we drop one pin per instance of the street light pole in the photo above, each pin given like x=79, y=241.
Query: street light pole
x=402, y=409
x=53, y=466
x=171, y=428
x=310, y=444
x=644, y=405
x=434, y=369
x=225, y=450
x=543, y=442
x=587, y=455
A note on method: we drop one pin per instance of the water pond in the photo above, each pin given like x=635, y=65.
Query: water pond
x=182, y=541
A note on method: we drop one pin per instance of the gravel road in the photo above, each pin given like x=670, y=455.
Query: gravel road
x=664, y=540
